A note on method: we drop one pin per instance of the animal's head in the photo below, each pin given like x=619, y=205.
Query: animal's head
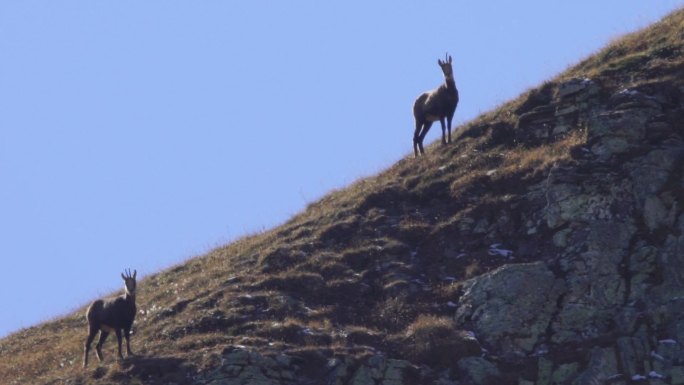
x=129, y=281
x=446, y=67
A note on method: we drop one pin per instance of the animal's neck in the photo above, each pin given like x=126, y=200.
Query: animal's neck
x=129, y=297
x=450, y=83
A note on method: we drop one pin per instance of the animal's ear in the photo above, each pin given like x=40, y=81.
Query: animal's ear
x=123, y=277
x=439, y=61
x=449, y=59
x=135, y=272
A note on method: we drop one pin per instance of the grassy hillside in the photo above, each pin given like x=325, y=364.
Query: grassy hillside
x=374, y=267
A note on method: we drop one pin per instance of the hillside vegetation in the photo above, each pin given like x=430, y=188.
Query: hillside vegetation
x=543, y=246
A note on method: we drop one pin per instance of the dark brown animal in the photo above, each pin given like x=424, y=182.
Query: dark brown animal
x=112, y=315
x=438, y=104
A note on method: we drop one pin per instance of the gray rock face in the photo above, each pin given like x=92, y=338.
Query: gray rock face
x=240, y=366
x=511, y=307
x=607, y=306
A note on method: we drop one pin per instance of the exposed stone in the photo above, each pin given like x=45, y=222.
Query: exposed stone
x=617, y=131
x=477, y=370
x=677, y=374
x=544, y=371
x=509, y=306
x=362, y=376
x=236, y=357
x=395, y=370
x=574, y=86
x=565, y=373
x=602, y=366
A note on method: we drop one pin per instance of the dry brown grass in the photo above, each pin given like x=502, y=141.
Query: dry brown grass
x=541, y=158
x=436, y=340
x=658, y=46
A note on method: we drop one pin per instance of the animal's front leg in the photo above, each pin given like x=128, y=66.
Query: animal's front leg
x=449, y=128
x=441, y=121
x=127, y=334
x=118, y=337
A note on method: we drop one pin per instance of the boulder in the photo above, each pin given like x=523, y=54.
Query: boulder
x=511, y=307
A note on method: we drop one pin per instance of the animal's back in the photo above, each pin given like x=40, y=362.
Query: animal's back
x=119, y=312
x=436, y=104
x=94, y=309
x=442, y=101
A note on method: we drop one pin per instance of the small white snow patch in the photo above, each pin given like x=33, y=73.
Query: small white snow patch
x=413, y=254
x=614, y=377
x=460, y=256
x=654, y=374
x=668, y=342
x=627, y=91
x=495, y=250
x=450, y=279
x=639, y=377
x=541, y=351
x=451, y=304
x=442, y=168
x=491, y=172
x=657, y=356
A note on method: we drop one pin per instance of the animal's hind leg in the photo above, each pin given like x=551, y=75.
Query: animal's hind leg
x=416, y=137
x=98, y=347
x=426, y=128
x=91, y=336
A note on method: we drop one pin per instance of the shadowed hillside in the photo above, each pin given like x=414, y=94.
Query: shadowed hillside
x=544, y=246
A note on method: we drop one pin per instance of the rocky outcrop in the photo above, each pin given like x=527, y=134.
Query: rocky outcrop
x=607, y=305
x=240, y=366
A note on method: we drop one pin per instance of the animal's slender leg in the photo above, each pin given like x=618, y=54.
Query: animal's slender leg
x=426, y=128
x=91, y=336
x=127, y=334
x=118, y=338
x=416, y=137
x=449, y=127
x=441, y=121
x=98, y=347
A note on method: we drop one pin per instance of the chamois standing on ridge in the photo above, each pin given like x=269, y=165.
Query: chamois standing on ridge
x=112, y=315
x=435, y=105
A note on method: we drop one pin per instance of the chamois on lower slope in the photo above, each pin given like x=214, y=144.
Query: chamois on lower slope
x=437, y=104
x=112, y=315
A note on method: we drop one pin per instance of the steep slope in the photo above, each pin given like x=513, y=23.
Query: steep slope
x=544, y=246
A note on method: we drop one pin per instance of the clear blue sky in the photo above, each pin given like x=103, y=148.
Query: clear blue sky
x=142, y=133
